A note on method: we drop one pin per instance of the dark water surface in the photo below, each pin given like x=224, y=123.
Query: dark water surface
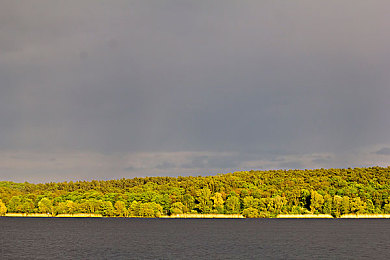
x=102, y=238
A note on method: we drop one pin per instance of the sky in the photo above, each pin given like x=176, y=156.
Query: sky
x=121, y=89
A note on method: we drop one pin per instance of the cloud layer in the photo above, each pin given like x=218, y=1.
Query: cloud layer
x=213, y=87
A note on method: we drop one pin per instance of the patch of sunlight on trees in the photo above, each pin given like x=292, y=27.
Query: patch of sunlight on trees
x=253, y=194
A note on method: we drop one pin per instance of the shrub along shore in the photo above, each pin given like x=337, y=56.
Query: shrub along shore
x=346, y=193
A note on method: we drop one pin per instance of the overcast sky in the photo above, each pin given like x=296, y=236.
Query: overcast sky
x=112, y=89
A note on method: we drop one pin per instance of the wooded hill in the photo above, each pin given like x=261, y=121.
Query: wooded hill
x=251, y=193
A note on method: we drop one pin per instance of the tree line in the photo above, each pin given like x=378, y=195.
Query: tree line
x=251, y=193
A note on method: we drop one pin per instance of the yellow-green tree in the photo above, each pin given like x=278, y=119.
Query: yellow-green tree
x=276, y=204
x=45, y=206
x=27, y=206
x=358, y=206
x=316, y=202
x=3, y=208
x=107, y=209
x=70, y=207
x=337, y=204
x=250, y=202
x=345, y=205
x=218, y=202
x=177, y=208
x=120, y=208
x=135, y=208
x=251, y=213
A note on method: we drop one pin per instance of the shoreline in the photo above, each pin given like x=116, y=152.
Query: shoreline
x=304, y=216
x=203, y=216
x=43, y=215
x=365, y=216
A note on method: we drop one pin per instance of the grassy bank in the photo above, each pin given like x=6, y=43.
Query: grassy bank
x=38, y=215
x=42, y=215
x=365, y=216
x=79, y=215
x=205, y=216
x=305, y=216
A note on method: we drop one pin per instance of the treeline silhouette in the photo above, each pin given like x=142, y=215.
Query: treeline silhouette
x=251, y=193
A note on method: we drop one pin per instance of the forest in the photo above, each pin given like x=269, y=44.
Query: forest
x=254, y=194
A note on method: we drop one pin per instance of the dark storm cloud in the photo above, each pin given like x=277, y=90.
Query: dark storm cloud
x=122, y=77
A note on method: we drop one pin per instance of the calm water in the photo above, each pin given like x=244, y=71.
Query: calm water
x=95, y=238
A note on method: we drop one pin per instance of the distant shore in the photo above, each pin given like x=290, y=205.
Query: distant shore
x=85, y=215
x=225, y=216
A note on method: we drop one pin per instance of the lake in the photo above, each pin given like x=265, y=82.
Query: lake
x=132, y=238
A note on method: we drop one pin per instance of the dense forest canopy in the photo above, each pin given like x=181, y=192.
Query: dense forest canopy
x=251, y=193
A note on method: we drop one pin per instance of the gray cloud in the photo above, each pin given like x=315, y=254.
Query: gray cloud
x=291, y=165
x=130, y=169
x=262, y=79
x=197, y=162
x=383, y=151
x=165, y=165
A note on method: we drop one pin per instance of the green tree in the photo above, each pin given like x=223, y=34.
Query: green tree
x=251, y=213
x=27, y=206
x=370, y=208
x=15, y=204
x=204, y=198
x=232, y=205
x=386, y=208
x=107, y=209
x=91, y=206
x=150, y=210
x=305, y=199
x=59, y=208
x=327, y=209
x=189, y=203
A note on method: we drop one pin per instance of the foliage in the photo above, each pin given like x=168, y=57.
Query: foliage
x=3, y=208
x=251, y=193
